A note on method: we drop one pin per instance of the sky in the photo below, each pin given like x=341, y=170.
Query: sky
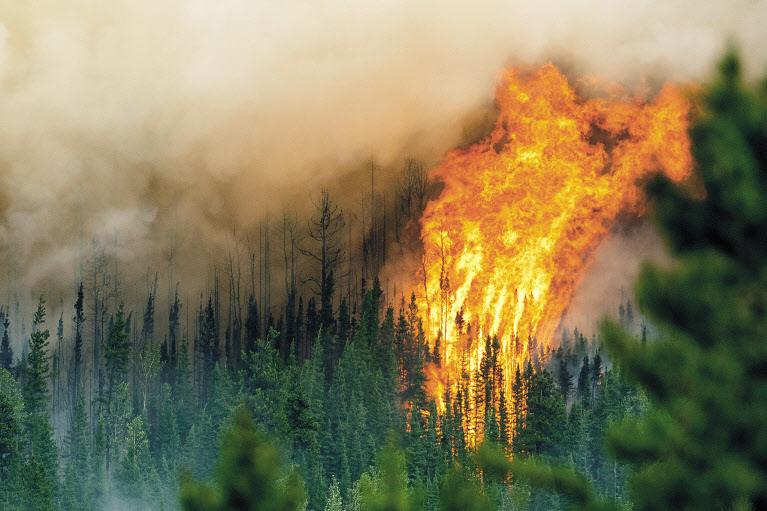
x=151, y=124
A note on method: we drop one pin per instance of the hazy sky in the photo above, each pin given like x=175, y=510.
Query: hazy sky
x=135, y=115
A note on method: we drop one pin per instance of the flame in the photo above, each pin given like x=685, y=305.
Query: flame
x=521, y=213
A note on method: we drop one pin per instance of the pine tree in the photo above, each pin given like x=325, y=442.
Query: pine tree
x=247, y=477
x=698, y=447
x=596, y=377
x=75, y=375
x=334, y=502
x=10, y=452
x=98, y=464
x=6, y=353
x=37, y=401
x=174, y=315
x=416, y=445
x=76, y=476
x=504, y=438
x=37, y=486
x=116, y=353
x=252, y=325
x=388, y=358
x=584, y=382
x=565, y=380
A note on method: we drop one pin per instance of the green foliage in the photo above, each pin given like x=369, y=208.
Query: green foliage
x=248, y=477
x=6, y=353
x=392, y=493
x=461, y=491
x=36, y=395
x=37, y=487
x=703, y=445
x=76, y=473
x=41, y=445
x=10, y=450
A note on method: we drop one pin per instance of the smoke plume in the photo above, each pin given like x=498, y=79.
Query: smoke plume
x=154, y=125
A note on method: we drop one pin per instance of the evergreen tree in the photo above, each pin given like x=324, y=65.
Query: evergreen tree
x=98, y=464
x=584, y=382
x=596, y=377
x=37, y=486
x=76, y=475
x=391, y=492
x=37, y=401
x=10, y=451
x=416, y=445
x=6, y=353
x=334, y=502
x=699, y=447
x=116, y=354
x=504, y=437
x=75, y=375
x=173, y=337
x=387, y=359
x=565, y=380
x=247, y=477
x=252, y=325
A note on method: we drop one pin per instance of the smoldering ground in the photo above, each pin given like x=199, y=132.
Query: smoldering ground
x=167, y=126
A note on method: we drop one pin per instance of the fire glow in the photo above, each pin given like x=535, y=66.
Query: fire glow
x=509, y=238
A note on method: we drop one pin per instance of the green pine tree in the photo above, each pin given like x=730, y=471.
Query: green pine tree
x=37, y=400
x=702, y=445
x=6, y=353
x=249, y=476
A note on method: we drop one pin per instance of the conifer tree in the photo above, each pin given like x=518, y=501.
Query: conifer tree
x=252, y=325
x=584, y=382
x=564, y=379
x=75, y=376
x=37, y=486
x=596, y=377
x=98, y=464
x=701, y=446
x=504, y=438
x=76, y=475
x=248, y=476
x=37, y=401
x=10, y=452
x=6, y=353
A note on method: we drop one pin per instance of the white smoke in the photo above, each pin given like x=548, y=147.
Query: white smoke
x=138, y=118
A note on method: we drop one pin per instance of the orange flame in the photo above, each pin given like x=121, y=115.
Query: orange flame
x=509, y=238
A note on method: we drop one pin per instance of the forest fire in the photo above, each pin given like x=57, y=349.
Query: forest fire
x=508, y=240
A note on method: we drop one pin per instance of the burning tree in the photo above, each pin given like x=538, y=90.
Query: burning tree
x=521, y=212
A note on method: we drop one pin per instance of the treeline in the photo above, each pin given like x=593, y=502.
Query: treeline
x=161, y=409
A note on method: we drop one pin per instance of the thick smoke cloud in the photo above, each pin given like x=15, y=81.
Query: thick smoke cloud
x=173, y=122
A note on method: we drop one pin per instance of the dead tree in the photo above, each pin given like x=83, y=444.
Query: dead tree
x=325, y=230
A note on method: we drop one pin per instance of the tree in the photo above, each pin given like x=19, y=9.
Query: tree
x=116, y=354
x=701, y=446
x=334, y=502
x=76, y=365
x=326, y=230
x=76, y=474
x=584, y=382
x=6, y=353
x=147, y=366
x=37, y=487
x=564, y=379
x=10, y=450
x=391, y=493
x=247, y=477
x=37, y=400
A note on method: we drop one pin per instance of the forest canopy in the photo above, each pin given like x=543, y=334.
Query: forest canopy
x=327, y=408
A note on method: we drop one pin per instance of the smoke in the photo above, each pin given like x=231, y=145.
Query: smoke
x=609, y=279
x=157, y=124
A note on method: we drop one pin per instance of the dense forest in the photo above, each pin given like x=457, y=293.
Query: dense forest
x=325, y=406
